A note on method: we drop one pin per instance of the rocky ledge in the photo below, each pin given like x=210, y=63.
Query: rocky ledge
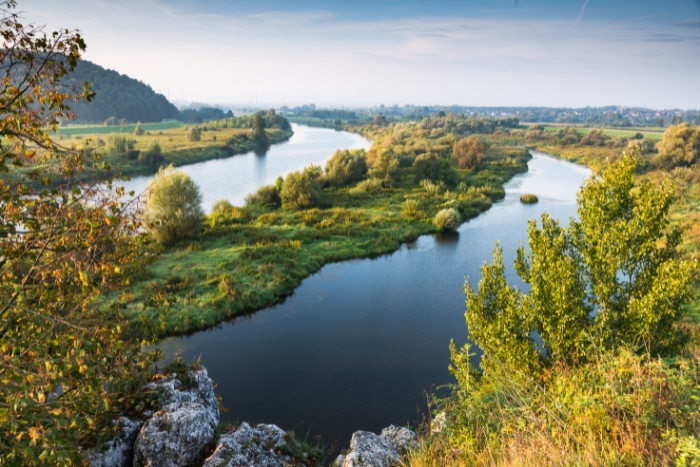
x=178, y=433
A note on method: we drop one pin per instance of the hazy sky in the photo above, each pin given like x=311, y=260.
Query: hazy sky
x=361, y=52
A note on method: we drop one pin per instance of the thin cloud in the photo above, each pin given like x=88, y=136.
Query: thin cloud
x=691, y=23
x=583, y=10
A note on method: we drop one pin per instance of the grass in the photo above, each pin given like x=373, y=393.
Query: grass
x=649, y=133
x=71, y=130
x=249, y=262
x=529, y=198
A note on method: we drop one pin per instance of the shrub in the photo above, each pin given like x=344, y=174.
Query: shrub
x=430, y=166
x=223, y=212
x=123, y=121
x=297, y=190
x=138, y=131
x=385, y=166
x=468, y=152
x=411, y=209
x=266, y=196
x=117, y=144
x=345, y=167
x=680, y=146
x=111, y=121
x=368, y=187
x=447, y=219
x=431, y=188
x=173, y=206
x=529, y=198
x=132, y=154
x=194, y=133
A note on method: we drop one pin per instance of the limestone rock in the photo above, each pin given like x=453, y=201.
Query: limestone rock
x=401, y=438
x=118, y=452
x=370, y=450
x=176, y=435
x=249, y=446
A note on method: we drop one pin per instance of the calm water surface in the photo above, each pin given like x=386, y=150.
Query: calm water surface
x=359, y=342
x=235, y=177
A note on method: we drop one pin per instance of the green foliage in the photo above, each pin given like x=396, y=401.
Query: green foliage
x=468, y=152
x=117, y=144
x=138, y=131
x=529, y=198
x=224, y=213
x=368, y=187
x=619, y=260
x=431, y=167
x=194, y=133
x=65, y=364
x=411, y=209
x=432, y=189
x=173, y=206
x=297, y=189
x=447, y=219
x=385, y=166
x=265, y=196
x=258, y=134
x=679, y=147
x=346, y=167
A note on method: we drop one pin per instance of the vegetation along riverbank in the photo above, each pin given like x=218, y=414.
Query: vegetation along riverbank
x=360, y=204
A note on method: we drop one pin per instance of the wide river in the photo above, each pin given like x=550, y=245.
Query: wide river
x=358, y=343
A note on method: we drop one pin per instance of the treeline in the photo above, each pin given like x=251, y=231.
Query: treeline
x=117, y=96
x=271, y=119
x=203, y=114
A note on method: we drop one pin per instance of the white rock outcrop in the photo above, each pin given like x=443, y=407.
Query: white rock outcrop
x=384, y=450
x=249, y=446
x=176, y=435
x=117, y=452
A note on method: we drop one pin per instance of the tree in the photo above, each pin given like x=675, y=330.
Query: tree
x=680, y=146
x=258, y=134
x=297, y=188
x=431, y=167
x=346, y=166
x=138, y=131
x=64, y=362
x=194, y=133
x=173, y=206
x=614, y=278
x=468, y=152
x=385, y=166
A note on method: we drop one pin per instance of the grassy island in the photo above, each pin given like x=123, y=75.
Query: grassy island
x=247, y=258
x=529, y=198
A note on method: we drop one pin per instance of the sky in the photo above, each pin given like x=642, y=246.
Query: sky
x=556, y=53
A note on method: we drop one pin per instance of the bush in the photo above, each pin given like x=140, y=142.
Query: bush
x=138, y=131
x=132, y=154
x=111, y=121
x=431, y=167
x=194, y=133
x=368, y=187
x=266, y=196
x=431, y=188
x=117, y=144
x=447, y=219
x=411, y=209
x=385, y=166
x=345, y=167
x=680, y=146
x=297, y=190
x=529, y=198
x=173, y=206
x=468, y=152
x=223, y=212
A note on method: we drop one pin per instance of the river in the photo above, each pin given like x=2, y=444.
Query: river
x=235, y=177
x=358, y=343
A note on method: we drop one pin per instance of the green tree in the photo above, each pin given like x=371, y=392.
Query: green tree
x=64, y=362
x=680, y=146
x=194, y=133
x=615, y=277
x=432, y=167
x=298, y=190
x=385, y=166
x=138, y=131
x=258, y=134
x=346, y=166
x=468, y=152
x=173, y=206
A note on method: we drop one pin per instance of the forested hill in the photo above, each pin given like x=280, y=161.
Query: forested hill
x=119, y=96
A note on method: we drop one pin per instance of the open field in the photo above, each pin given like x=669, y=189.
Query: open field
x=104, y=130
x=649, y=133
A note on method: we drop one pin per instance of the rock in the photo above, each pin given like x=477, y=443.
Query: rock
x=250, y=447
x=118, y=452
x=176, y=435
x=438, y=423
x=370, y=450
x=340, y=460
x=401, y=438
